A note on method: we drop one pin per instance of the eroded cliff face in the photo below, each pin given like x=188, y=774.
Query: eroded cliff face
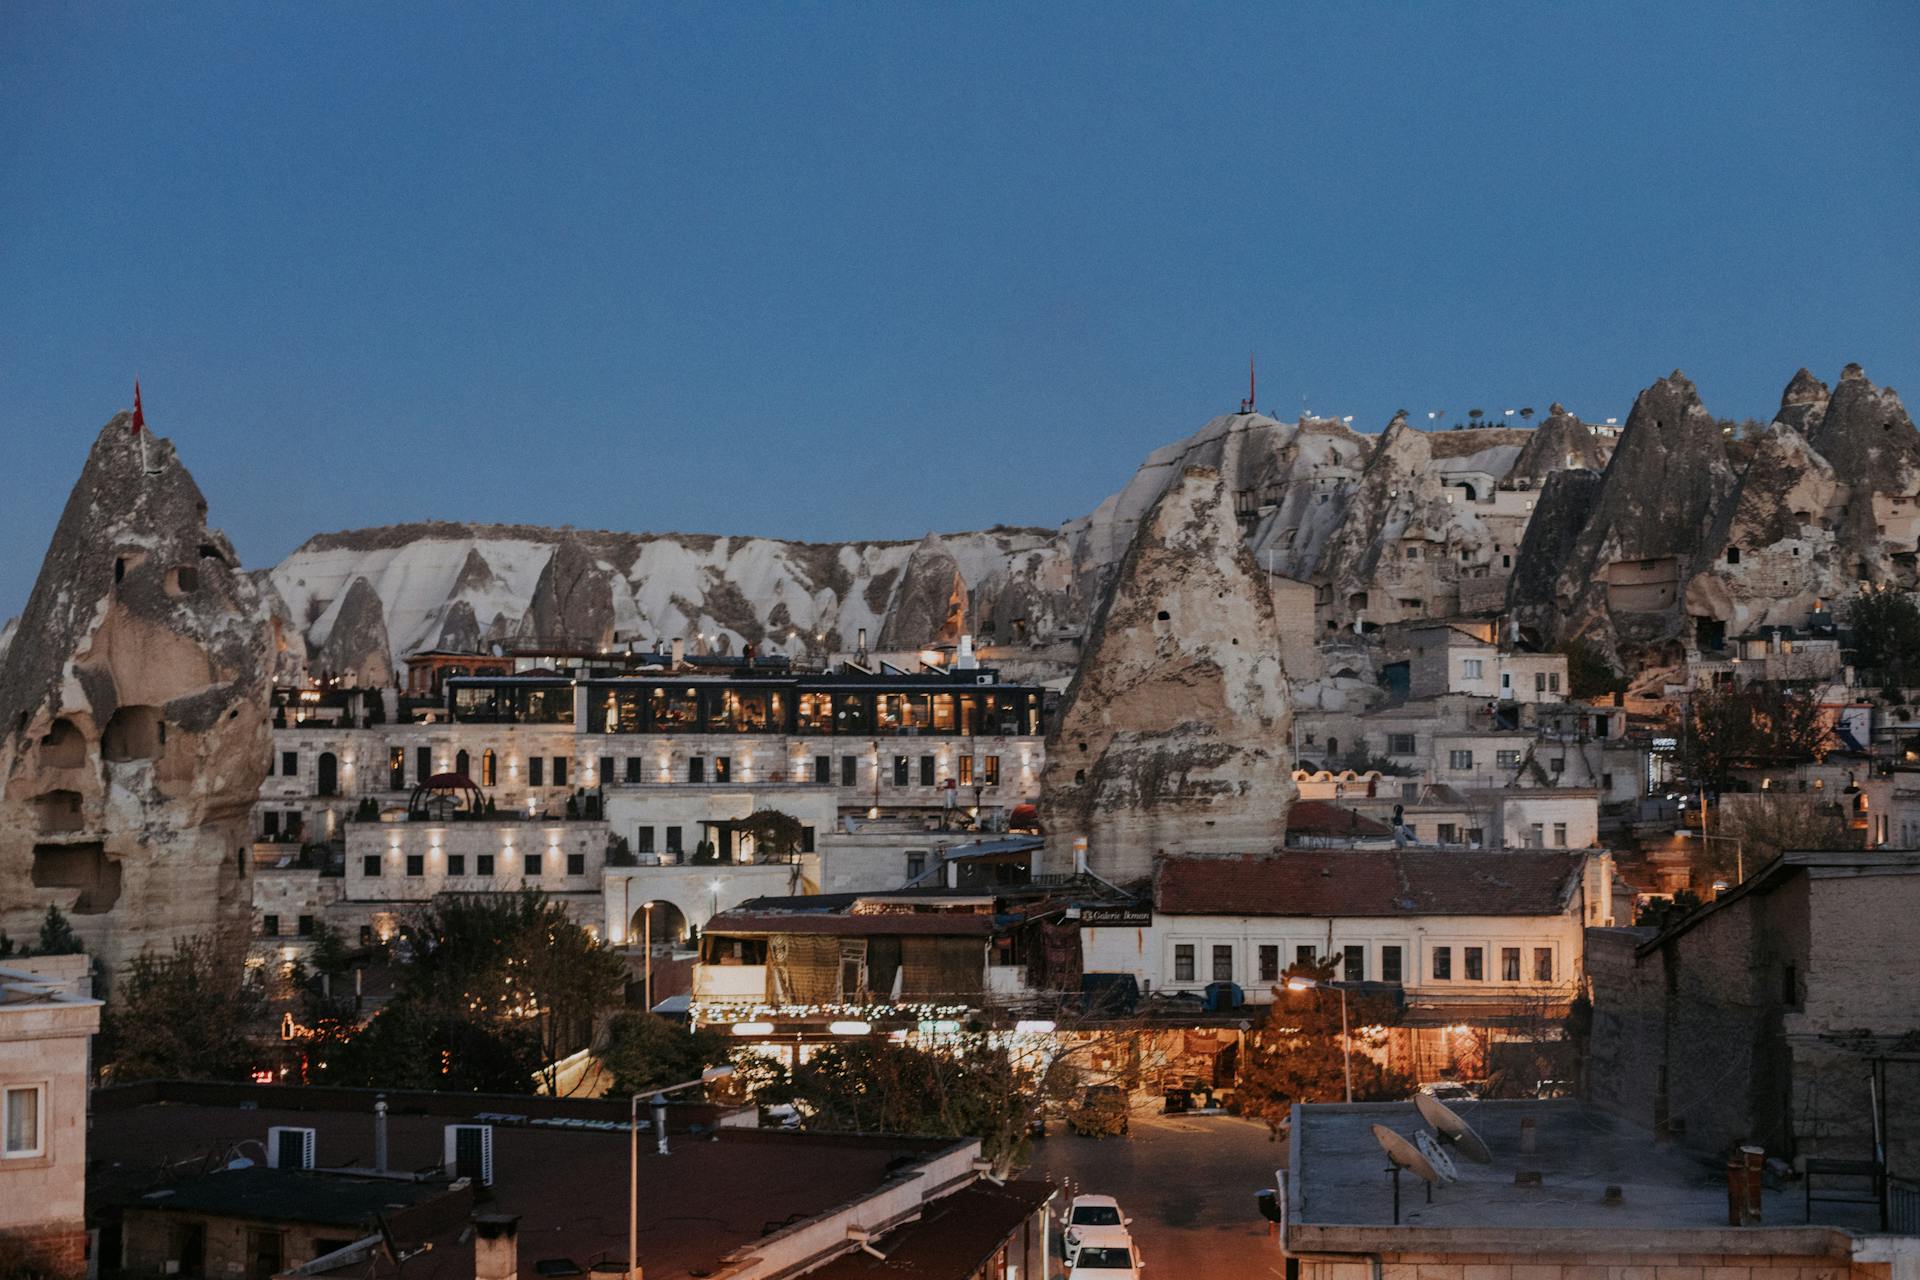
x=1402, y=538
x=134, y=701
x=1561, y=443
x=929, y=605
x=1690, y=539
x=1173, y=734
x=718, y=594
x=1621, y=583
x=573, y=600
x=1826, y=502
x=357, y=648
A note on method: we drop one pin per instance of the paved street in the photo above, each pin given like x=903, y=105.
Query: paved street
x=1189, y=1185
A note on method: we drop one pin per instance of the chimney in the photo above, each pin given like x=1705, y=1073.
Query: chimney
x=1744, y=1185
x=496, y=1246
x=679, y=652
x=862, y=647
x=380, y=1134
x=964, y=659
x=1079, y=855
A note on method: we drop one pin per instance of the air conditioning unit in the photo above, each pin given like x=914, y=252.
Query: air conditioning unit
x=289, y=1148
x=469, y=1152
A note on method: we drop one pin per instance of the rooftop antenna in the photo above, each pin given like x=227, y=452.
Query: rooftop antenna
x=1451, y=1129
x=1402, y=1154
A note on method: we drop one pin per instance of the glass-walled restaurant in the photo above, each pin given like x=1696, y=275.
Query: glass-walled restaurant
x=818, y=707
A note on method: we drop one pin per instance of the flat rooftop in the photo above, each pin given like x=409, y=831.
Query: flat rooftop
x=715, y=1194
x=1340, y=1195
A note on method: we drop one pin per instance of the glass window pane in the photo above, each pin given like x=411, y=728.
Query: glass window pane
x=23, y=1121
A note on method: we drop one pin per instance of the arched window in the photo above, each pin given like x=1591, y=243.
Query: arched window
x=328, y=780
x=489, y=764
x=460, y=763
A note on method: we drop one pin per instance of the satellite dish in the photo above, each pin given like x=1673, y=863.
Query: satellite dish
x=1436, y=1156
x=1451, y=1129
x=1404, y=1154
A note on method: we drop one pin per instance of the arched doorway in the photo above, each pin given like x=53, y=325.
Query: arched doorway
x=327, y=781
x=669, y=924
x=460, y=762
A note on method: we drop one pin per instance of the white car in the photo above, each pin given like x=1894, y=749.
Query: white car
x=1104, y=1253
x=1091, y=1212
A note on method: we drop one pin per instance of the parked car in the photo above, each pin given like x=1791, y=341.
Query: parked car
x=1090, y=1213
x=1105, y=1253
x=1102, y=1112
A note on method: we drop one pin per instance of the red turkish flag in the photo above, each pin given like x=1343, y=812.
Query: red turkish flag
x=139, y=418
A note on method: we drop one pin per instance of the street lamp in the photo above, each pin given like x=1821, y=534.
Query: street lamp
x=646, y=911
x=1346, y=1041
x=657, y=1096
x=1739, y=849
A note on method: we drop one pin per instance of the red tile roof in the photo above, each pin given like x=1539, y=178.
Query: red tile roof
x=868, y=925
x=1368, y=882
x=1320, y=818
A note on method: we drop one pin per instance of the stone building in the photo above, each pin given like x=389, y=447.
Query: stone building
x=46, y=1026
x=1782, y=1014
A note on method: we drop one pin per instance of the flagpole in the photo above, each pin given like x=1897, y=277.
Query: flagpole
x=140, y=429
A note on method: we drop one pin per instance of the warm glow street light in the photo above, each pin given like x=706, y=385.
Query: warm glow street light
x=1297, y=983
x=658, y=1097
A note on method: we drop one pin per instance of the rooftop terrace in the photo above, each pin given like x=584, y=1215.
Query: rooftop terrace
x=1340, y=1196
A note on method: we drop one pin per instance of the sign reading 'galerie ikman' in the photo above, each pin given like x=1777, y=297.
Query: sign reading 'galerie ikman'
x=1130, y=917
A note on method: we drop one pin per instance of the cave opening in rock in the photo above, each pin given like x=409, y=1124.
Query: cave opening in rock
x=56, y=812
x=133, y=733
x=63, y=746
x=83, y=866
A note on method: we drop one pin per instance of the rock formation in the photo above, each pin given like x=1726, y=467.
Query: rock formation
x=133, y=702
x=929, y=606
x=1620, y=584
x=1827, y=501
x=459, y=630
x=797, y=598
x=1172, y=736
x=573, y=601
x=1399, y=544
x=1561, y=443
x=357, y=649
x=1868, y=439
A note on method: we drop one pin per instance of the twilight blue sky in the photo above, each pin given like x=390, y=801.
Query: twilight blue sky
x=867, y=269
